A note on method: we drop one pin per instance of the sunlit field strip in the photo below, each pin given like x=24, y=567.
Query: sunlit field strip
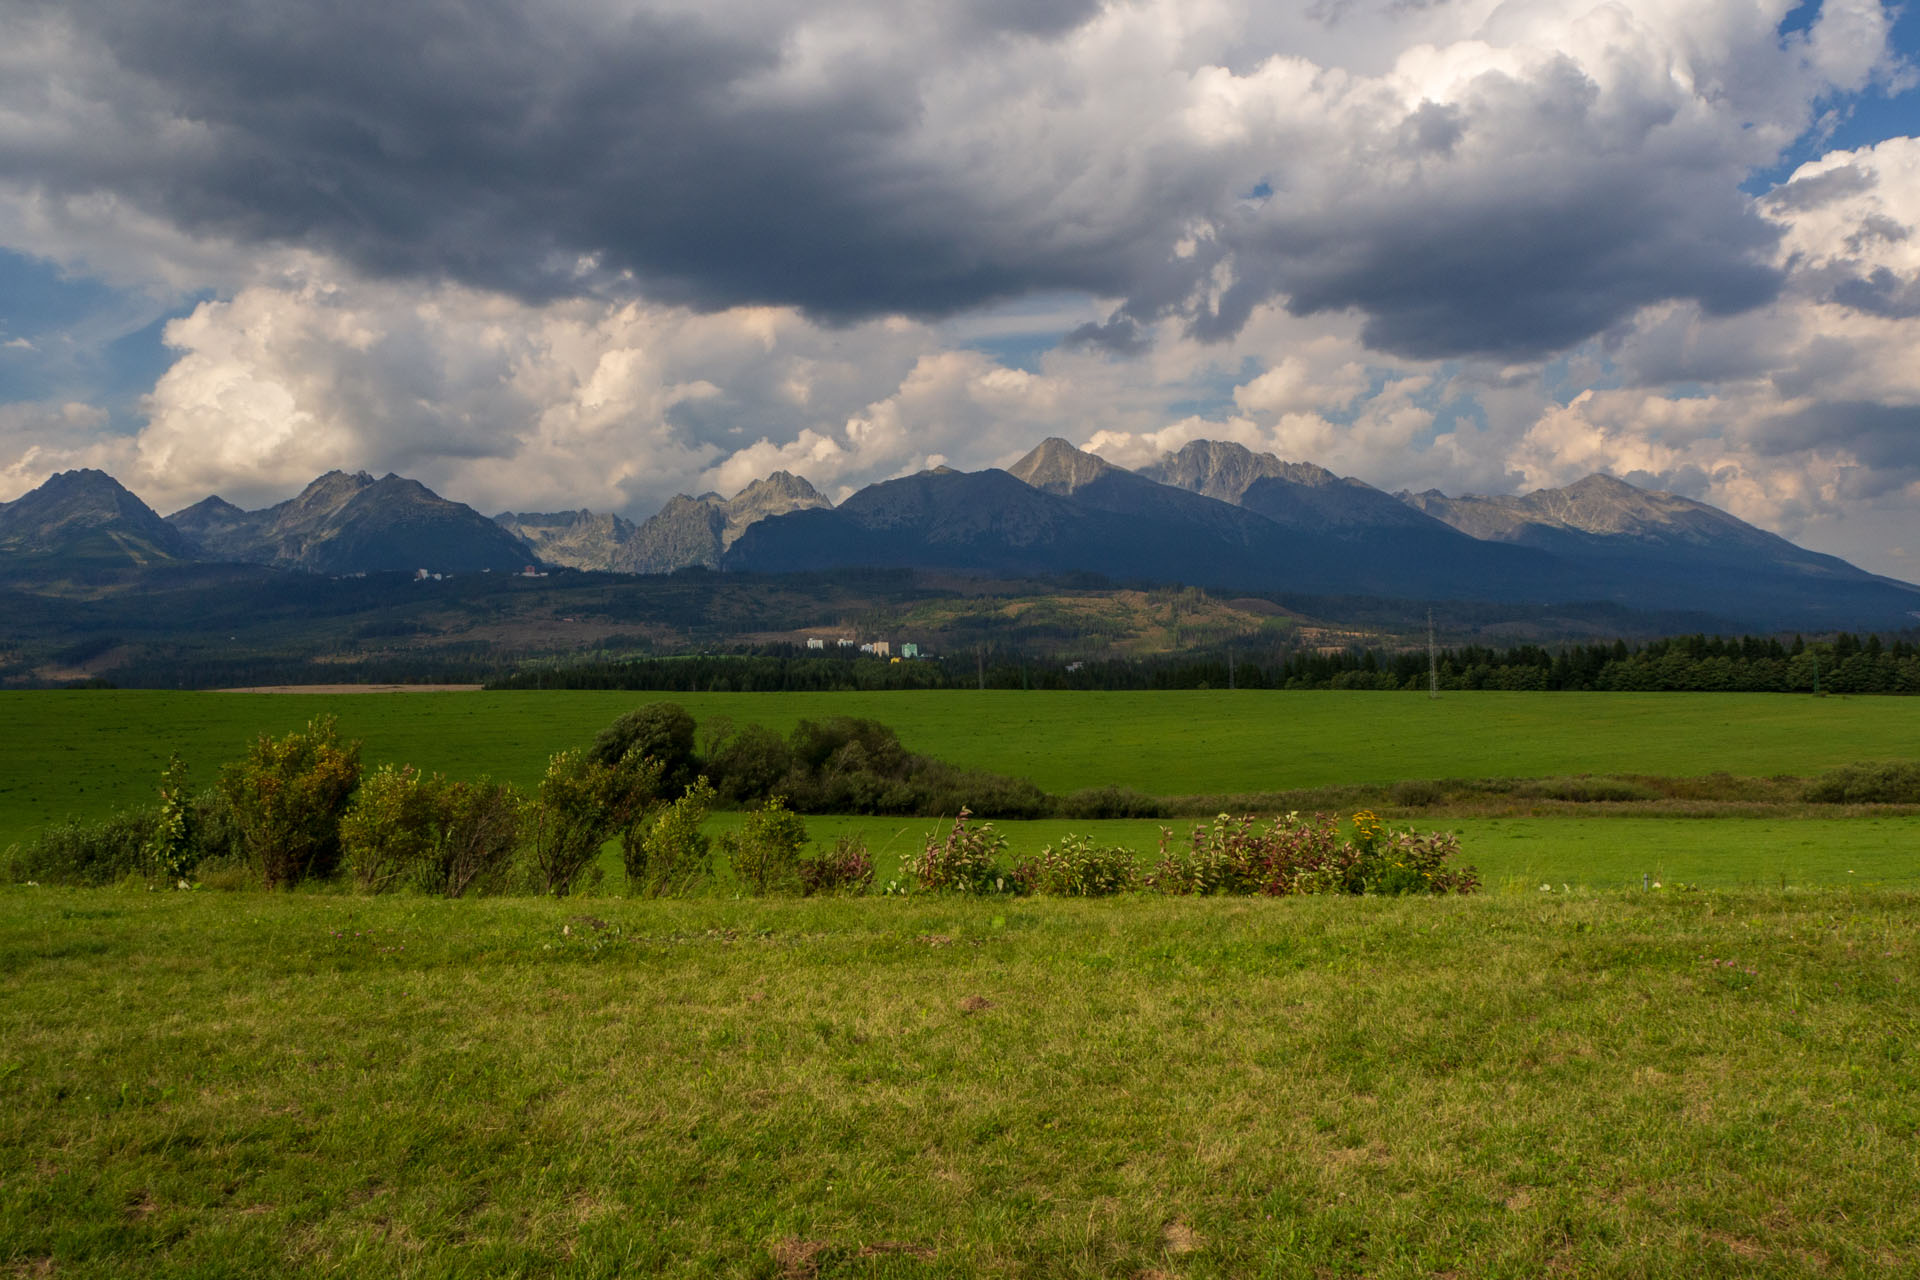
x=84, y=753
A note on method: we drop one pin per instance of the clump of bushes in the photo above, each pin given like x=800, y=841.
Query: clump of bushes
x=1896, y=782
x=95, y=853
x=1077, y=867
x=965, y=860
x=1291, y=855
x=845, y=764
x=765, y=852
x=1110, y=802
x=845, y=868
x=287, y=796
x=672, y=856
x=424, y=832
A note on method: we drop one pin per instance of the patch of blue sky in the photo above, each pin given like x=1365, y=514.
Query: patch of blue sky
x=1019, y=332
x=1852, y=121
x=1454, y=413
x=1688, y=391
x=1209, y=390
x=70, y=337
x=1584, y=368
x=1023, y=351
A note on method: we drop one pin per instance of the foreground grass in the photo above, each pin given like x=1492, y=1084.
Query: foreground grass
x=82, y=754
x=1622, y=1085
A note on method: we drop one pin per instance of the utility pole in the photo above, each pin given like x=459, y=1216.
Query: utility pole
x=980, y=660
x=1230, y=684
x=1433, y=661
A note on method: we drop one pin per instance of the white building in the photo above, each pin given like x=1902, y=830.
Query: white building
x=815, y=642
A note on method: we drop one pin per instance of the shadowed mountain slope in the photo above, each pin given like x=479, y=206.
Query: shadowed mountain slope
x=344, y=523
x=1654, y=549
x=88, y=516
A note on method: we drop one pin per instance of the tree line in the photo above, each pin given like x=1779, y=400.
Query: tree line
x=1844, y=663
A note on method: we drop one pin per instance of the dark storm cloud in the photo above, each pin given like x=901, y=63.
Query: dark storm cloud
x=1119, y=335
x=1880, y=293
x=1525, y=273
x=1884, y=438
x=551, y=150
x=1533, y=238
x=500, y=144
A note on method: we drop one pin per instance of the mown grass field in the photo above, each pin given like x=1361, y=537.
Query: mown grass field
x=1621, y=1085
x=84, y=753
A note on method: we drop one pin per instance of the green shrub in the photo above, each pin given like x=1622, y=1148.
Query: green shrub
x=389, y=831
x=288, y=795
x=845, y=868
x=966, y=860
x=1418, y=793
x=213, y=831
x=1110, y=802
x=765, y=852
x=582, y=803
x=1408, y=862
x=86, y=853
x=170, y=850
x=1077, y=868
x=406, y=829
x=1586, y=790
x=748, y=764
x=481, y=828
x=1894, y=782
x=673, y=857
x=1294, y=855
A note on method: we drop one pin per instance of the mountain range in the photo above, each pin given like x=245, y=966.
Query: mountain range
x=1212, y=514
x=685, y=532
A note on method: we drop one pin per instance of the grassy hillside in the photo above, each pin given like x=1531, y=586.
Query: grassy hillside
x=83, y=753
x=1626, y=1085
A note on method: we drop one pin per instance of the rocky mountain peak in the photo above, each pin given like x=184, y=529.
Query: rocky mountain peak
x=1224, y=470
x=88, y=512
x=1058, y=467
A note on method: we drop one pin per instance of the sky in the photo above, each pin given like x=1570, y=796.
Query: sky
x=544, y=255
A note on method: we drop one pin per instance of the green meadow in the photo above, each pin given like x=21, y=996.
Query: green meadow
x=1720, y=1084
x=1567, y=1074
x=82, y=754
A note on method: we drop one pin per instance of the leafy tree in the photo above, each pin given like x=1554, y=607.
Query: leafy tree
x=749, y=763
x=660, y=730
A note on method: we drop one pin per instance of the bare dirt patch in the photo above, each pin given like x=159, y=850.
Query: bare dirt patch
x=1180, y=1238
x=798, y=1259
